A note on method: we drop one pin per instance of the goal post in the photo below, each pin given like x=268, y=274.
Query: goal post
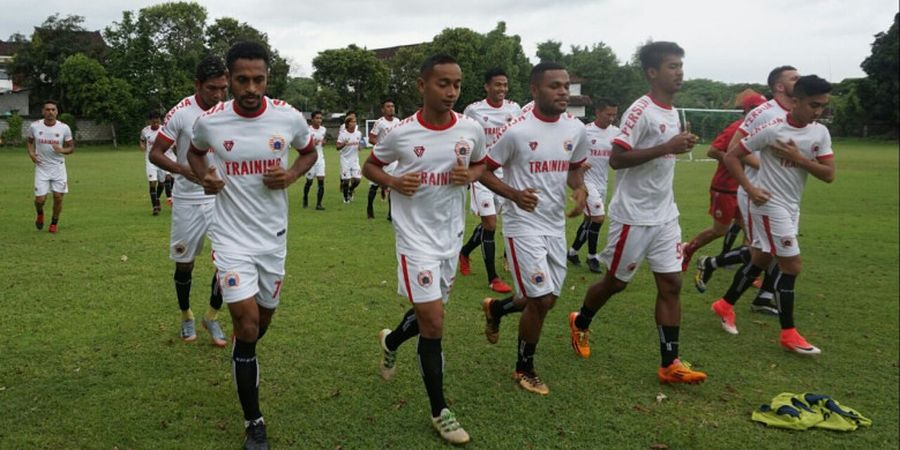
x=369, y=124
x=706, y=123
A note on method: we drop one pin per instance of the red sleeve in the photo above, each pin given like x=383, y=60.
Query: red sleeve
x=197, y=150
x=491, y=164
x=724, y=138
x=169, y=141
x=823, y=158
x=744, y=147
x=479, y=162
x=309, y=147
x=622, y=144
x=374, y=160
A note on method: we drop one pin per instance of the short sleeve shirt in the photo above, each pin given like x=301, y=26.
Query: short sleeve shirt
x=45, y=137
x=178, y=127
x=600, y=140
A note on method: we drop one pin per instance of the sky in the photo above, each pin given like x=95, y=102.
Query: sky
x=724, y=40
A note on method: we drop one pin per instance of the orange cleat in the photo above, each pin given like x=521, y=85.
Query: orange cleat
x=491, y=326
x=464, y=268
x=792, y=341
x=579, y=337
x=679, y=373
x=52, y=228
x=725, y=312
x=497, y=285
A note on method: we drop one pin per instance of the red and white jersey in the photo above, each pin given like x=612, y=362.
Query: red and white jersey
x=493, y=117
x=178, y=127
x=600, y=141
x=382, y=126
x=430, y=222
x=318, y=137
x=644, y=195
x=528, y=107
x=782, y=178
x=537, y=152
x=249, y=218
x=350, y=150
x=148, y=137
x=757, y=118
x=45, y=137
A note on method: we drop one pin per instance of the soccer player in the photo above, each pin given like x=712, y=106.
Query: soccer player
x=148, y=137
x=249, y=139
x=318, y=170
x=348, y=141
x=540, y=152
x=192, y=210
x=600, y=134
x=438, y=153
x=48, y=141
x=788, y=150
x=781, y=82
x=493, y=113
x=722, y=203
x=643, y=215
x=385, y=123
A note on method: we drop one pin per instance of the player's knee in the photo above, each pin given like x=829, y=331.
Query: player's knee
x=598, y=219
x=57, y=196
x=247, y=329
x=670, y=287
x=791, y=266
x=431, y=325
x=39, y=201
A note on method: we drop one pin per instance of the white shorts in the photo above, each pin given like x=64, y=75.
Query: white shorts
x=190, y=222
x=775, y=230
x=538, y=264
x=50, y=179
x=388, y=169
x=245, y=276
x=350, y=169
x=483, y=201
x=317, y=170
x=153, y=172
x=595, y=199
x=424, y=279
x=628, y=245
x=743, y=201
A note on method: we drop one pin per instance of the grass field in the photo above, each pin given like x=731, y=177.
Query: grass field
x=90, y=355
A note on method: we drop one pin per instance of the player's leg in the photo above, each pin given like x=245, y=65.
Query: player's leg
x=306, y=188
x=183, y=281
x=57, y=210
x=743, y=280
x=722, y=209
x=488, y=253
x=354, y=183
x=370, y=201
x=320, y=191
x=668, y=323
x=581, y=237
x=731, y=236
x=593, y=259
x=39, y=201
x=41, y=189
x=470, y=245
x=153, y=184
x=169, y=184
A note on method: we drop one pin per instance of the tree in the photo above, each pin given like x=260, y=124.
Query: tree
x=880, y=93
x=226, y=31
x=94, y=94
x=300, y=93
x=550, y=51
x=849, y=117
x=357, y=77
x=404, y=70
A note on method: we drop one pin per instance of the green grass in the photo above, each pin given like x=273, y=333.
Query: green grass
x=90, y=355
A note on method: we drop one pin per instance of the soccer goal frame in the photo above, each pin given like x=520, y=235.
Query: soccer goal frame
x=708, y=128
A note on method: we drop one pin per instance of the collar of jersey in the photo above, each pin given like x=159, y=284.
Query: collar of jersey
x=657, y=103
x=793, y=123
x=497, y=106
x=257, y=113
x=780, y=105
x=432, y=127
x=542, y=118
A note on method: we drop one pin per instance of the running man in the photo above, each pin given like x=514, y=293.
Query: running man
x=48, y=141
x=385, y=123
x=318, y=170
x=348, y=141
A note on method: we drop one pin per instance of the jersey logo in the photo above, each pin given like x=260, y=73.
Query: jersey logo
x=509, y=118
x=533, y=145
x=485, y=118
x=662, y=128
x=228, y=145
x=276, y=143
x=232, y=280
x=787, y=242
x=461, y=148
x=419, y=150
x=815, y=148
x=593, y=141
x=179, y=248
x=568, y=145
x=425, y=278
x=538, y=278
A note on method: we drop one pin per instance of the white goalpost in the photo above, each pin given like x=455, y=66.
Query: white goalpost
x=369, y=124
x=706, y=123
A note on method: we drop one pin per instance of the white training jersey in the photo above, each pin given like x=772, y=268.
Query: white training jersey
x=493, y=118
x=431, y=221
x=318, y=137
x=782, y=178
x=382, y=126
x=528, y=107
x=600, y=140
x=350, y=151
x=537, y=152
x=177, y=128
x=148, y=137
x=644, y=194
x=248, y=217
x=45, y=137
x=757, y=118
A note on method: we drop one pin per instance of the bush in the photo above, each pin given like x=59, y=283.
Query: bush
x=13, y=134
x=69, y=119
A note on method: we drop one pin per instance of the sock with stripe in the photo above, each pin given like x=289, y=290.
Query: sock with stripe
x=431, y=363
x=245, y=368
x=407, y=328
x=742, y=281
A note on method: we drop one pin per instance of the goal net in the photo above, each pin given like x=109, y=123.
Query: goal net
x=706, y=123
x=369, y=124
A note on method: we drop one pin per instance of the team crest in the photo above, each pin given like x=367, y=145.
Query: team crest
x=568, y=145
x=815, y=149
x=425, y=278
x=718, y=213
x=228, y=145
x=631, y=267
x=538, y=278
x=485, y=118
x=277, y=143
x=461, y=148
x=179, y=248
x=485, y=204
x=532, y=145
x=593, y=141
x=662, y=128
x=787, y=242
x=232, y=280
x=419, y=151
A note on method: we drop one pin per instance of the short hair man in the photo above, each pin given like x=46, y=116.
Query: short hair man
x=48, y=141
x=348, y=141
x=154, y=173
x=385, y=123
x=643, y=214
x=438, y=153
x=249, y=140
x=318, y=170
x=193, y=209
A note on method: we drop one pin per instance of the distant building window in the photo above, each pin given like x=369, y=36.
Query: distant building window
x=3, y=75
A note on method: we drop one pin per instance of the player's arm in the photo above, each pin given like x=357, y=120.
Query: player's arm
x=822, y=169
x=623, y=158
x=735, y=143
x=373, y=139
x=339, y=144
x=158, y=157
x=196, y=157
x=715, y=153
x=406, y=184
x=30, y=148
x=734, y=162
x=526, y=198
x=67, y=148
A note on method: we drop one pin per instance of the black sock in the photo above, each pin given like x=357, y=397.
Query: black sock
x=183, y=289
x=488, y=252
x=500, y=308
x=742, y=281
x=585, y=317
x=784, y=296
x=54, y=220
x=668, y=344
x=306, y=188
x=525, y=356
x=389, y=207
x=215, y=292
x=738, y=256
x=353, y=184
x=768, y=283
x=154, y=197
x=160, y=186
x=474, y=241
x=730, y=236
x=246, y=377
x=168, y=185
x=407, y=328
x=581, y=235
x=431, y=362
x=593, y=237
x=40, y=210
x=261, y=332
x=373, y=192
x=345, y=189
x=320, y=192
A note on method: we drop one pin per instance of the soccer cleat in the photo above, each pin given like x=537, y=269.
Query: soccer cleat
x=677, y=372
x=370, y=213
x=594, y=265
x=579, y=337
x=703, y=275
x=725, y=312
x=531, y=382
x=764, y=305
x=39, y=222
x=156, y=210
x=491, y=326
x=256, y=436
x=449, y=428
x=320, y=208
x=53, y=229
x=573, y=258
x=464, y=267
x=792, y=341
x=215, y=331
x=387, y=367
x=188, y=333
x=498, y=285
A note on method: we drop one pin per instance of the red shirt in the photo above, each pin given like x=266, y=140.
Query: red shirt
x=722, y=180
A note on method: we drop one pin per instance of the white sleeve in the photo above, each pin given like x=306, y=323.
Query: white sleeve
x=67, y=135
x=582, y=147
x=501, y=151
x=631, y=131
x=170, y=129
x=758, y=141
x=385, y=151
x=200, y=135
x=30, y=132
x=478, y=151
x=824, y=150
x=302, y=139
